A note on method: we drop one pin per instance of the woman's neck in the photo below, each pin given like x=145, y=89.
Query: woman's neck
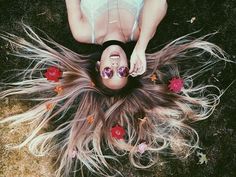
x=114, y=35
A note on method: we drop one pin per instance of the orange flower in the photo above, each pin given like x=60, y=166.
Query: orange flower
x=143, y=120
x=49, y=106
x=59, y=89
x=90, y=119
x=154, y=77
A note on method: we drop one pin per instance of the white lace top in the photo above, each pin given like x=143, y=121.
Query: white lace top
x=94, y=8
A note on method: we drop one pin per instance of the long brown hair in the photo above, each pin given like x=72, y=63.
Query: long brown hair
x=84, y=113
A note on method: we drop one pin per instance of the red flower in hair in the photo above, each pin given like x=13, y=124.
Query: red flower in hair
x=53, y=74
x=176, y=84
x=118, y=132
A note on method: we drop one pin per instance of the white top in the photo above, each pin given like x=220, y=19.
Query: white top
x=94, y=8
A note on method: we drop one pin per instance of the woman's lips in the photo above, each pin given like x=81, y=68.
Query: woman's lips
x=114, y=55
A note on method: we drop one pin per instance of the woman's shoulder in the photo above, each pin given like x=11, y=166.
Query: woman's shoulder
x=83, y=32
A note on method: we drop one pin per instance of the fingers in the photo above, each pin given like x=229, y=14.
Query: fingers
x=134, y=71
x=143, y=65
x=134, y=67
x=138, y=65
x=140, y=70
x=143, y=68
x=131, y=70
x=137, y=69
x=134, y=74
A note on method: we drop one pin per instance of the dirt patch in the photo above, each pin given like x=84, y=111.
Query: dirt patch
x=19, y=162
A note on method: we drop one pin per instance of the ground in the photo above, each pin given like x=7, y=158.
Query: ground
x=217, y=158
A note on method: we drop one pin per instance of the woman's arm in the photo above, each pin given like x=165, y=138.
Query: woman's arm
x=80, y=29
x=153, y=12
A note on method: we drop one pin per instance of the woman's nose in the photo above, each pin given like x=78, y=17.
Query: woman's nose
x=114, y=64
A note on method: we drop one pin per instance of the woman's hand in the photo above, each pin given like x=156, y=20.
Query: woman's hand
x=138, y=62
x=152, y=14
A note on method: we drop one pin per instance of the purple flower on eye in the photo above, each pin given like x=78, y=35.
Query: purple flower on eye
x=107, y=72
x=123, y=71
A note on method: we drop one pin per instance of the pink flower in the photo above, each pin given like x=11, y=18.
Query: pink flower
x=118, y=132
x=53, y=74
x=74, y=153
x=176, y=84
x=142, y=147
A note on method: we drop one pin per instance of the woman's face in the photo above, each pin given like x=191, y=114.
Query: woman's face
x=114, y=67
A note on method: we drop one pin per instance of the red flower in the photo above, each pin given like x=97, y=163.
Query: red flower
x=118, y=132
x=176, y=84
x=53, y=74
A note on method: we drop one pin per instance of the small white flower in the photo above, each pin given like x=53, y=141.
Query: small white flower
x=192, y=20
x=202, y=158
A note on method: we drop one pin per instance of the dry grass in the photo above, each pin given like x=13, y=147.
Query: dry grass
x=19, y=162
